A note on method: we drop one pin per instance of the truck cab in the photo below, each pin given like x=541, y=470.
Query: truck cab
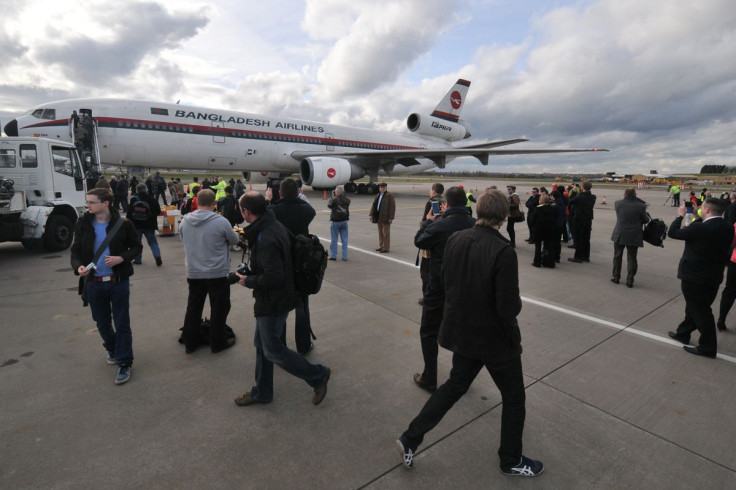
x=42, y=192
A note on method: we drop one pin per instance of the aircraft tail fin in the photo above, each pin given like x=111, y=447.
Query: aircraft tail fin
x=452, y=103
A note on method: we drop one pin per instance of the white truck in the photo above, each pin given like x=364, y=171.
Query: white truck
x=42, y=192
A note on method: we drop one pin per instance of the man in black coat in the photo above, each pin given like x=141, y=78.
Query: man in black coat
x=296, y=214
x=706, y=253
x=631, y=214
x=271, y=278
x=146, y=223
x=582, y=218
x=531, y=204
x=432, y=236
x=481, y=280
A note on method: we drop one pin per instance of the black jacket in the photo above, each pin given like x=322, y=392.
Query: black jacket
x=707, y=245
x=295, y=214
x=433, y=235
x=544, y=222
x=125, y=244
x=229, y=208
x=152, y=222
x=581, y=207
x=481, y=279
x=272, y=278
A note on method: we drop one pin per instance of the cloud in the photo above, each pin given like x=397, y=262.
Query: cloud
x=134, y=30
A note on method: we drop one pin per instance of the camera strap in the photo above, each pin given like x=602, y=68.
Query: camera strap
x=108, y=239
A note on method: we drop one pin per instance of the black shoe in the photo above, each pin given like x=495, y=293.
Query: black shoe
x=536, y=265
x=614, y=280
x=423, y=384
x=221, y=347
x=629, y=283
x=333, y=258
x=190, y=350
x=321, y=391
x=525, y=467
x=573, y=259
x=673, y=335
x=571, y=246
x=698, y=352
x=158, y=261
x=721, y=326
x=407, y=455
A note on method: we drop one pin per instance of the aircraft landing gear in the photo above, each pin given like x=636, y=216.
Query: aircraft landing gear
x=351, y=187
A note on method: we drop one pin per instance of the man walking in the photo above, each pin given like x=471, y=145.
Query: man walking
x=106, y=284
x=582, y=217
x=432, y=236
x=271, y=278
x=707, y=244
x=631, y=214
x=382, y=213
x=339, y=215
x=296, y=214
x=481, y=280
x=143, y=212
x=207, y=237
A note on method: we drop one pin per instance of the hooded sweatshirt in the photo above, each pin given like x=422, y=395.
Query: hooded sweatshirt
x=207, y=237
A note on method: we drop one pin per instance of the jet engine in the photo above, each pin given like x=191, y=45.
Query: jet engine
x=328, y=172
x=261, y=177
x=438, y=128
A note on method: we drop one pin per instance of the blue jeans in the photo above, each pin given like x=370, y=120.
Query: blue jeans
x=339, y=228
x=108, y=302
x=152, y=242
x=270, y=350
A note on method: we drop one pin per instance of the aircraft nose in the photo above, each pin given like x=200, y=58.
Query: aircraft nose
x=11, y=129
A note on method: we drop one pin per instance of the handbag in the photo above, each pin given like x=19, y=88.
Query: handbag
x=83, y=280
x=520, y=218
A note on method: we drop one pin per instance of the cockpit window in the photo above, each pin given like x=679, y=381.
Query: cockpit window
x=37, y=113
x=49, y=114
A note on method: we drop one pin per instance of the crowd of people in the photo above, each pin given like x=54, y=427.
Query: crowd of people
x=469, y=270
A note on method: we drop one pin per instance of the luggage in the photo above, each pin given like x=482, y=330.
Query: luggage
x=204, y=333
x=655, y=232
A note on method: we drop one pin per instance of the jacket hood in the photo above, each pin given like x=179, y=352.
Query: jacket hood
x=200, y=216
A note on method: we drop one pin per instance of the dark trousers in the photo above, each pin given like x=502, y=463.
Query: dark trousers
x=581, y=234
x=546, y=256
x=424, y=272
x=432, y=309
x=698, y=315
x=510, y=230
x=218, y=291
x=510, y=382
x=564, y=230
x=631, y=262
x=729, y=293
x=162, y=195
x=302, y=325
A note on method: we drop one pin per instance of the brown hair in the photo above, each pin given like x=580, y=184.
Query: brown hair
x=492, y=208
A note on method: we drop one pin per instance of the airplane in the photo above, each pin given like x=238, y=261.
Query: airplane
x=135, y=133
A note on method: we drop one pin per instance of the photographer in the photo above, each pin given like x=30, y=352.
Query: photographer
x=207, y=237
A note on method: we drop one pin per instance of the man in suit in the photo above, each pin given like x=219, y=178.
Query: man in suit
x=631, y=213
x=382, y=213
x=707, y=244
x=582, y=216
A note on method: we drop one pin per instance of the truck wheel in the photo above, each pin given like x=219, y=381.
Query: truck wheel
x=59, y=233
x=32, y=244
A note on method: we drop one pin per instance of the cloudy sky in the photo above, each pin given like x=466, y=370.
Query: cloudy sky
x=654, y=81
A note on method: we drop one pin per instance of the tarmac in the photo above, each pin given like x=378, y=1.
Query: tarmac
x=612, y=402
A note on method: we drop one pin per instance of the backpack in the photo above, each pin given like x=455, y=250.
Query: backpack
x=140, y=211
x=655, y=232
x=204, y=333
x=309, y=260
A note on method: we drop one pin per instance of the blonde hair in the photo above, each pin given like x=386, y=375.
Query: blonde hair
x=492, y=208
x=543, y=199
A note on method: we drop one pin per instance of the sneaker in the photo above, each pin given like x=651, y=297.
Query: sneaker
x=321, y=391
x=407, y=455
x=158, y=261
x=111, y=358
x=123, y=375
x=245, y=400
x=525, y=467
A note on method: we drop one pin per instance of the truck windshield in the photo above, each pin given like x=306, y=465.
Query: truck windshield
x=7, y=158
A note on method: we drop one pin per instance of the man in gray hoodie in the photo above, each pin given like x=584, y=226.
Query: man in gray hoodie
x=207, y=237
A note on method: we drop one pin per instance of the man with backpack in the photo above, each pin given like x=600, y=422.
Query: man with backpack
x=296, y=214
x=229, y=208
x=143, y=211
x=159, y=185
x=271, y=278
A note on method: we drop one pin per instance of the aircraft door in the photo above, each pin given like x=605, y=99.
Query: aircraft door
x=218, y=132
x=330, y=143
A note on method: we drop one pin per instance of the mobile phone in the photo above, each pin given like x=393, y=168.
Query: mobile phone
x=688, y=205
x=435, y=208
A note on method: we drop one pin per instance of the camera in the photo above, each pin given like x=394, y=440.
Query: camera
x=242, y=269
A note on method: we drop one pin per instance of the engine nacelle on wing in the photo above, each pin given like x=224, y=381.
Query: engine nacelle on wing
x=328, y=172
x=261, y=177
x=438, y=128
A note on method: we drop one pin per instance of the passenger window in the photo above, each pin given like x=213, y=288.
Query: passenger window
x=63, y=162
x=49, y=114
x=28, y=156
x=7, y=158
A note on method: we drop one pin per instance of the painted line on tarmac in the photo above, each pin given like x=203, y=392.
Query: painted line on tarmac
x=560, y=309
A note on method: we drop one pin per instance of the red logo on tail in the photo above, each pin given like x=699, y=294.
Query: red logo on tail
x=456, y=100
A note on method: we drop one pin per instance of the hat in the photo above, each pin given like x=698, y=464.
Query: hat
x=382, y=184
x=461, y=187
